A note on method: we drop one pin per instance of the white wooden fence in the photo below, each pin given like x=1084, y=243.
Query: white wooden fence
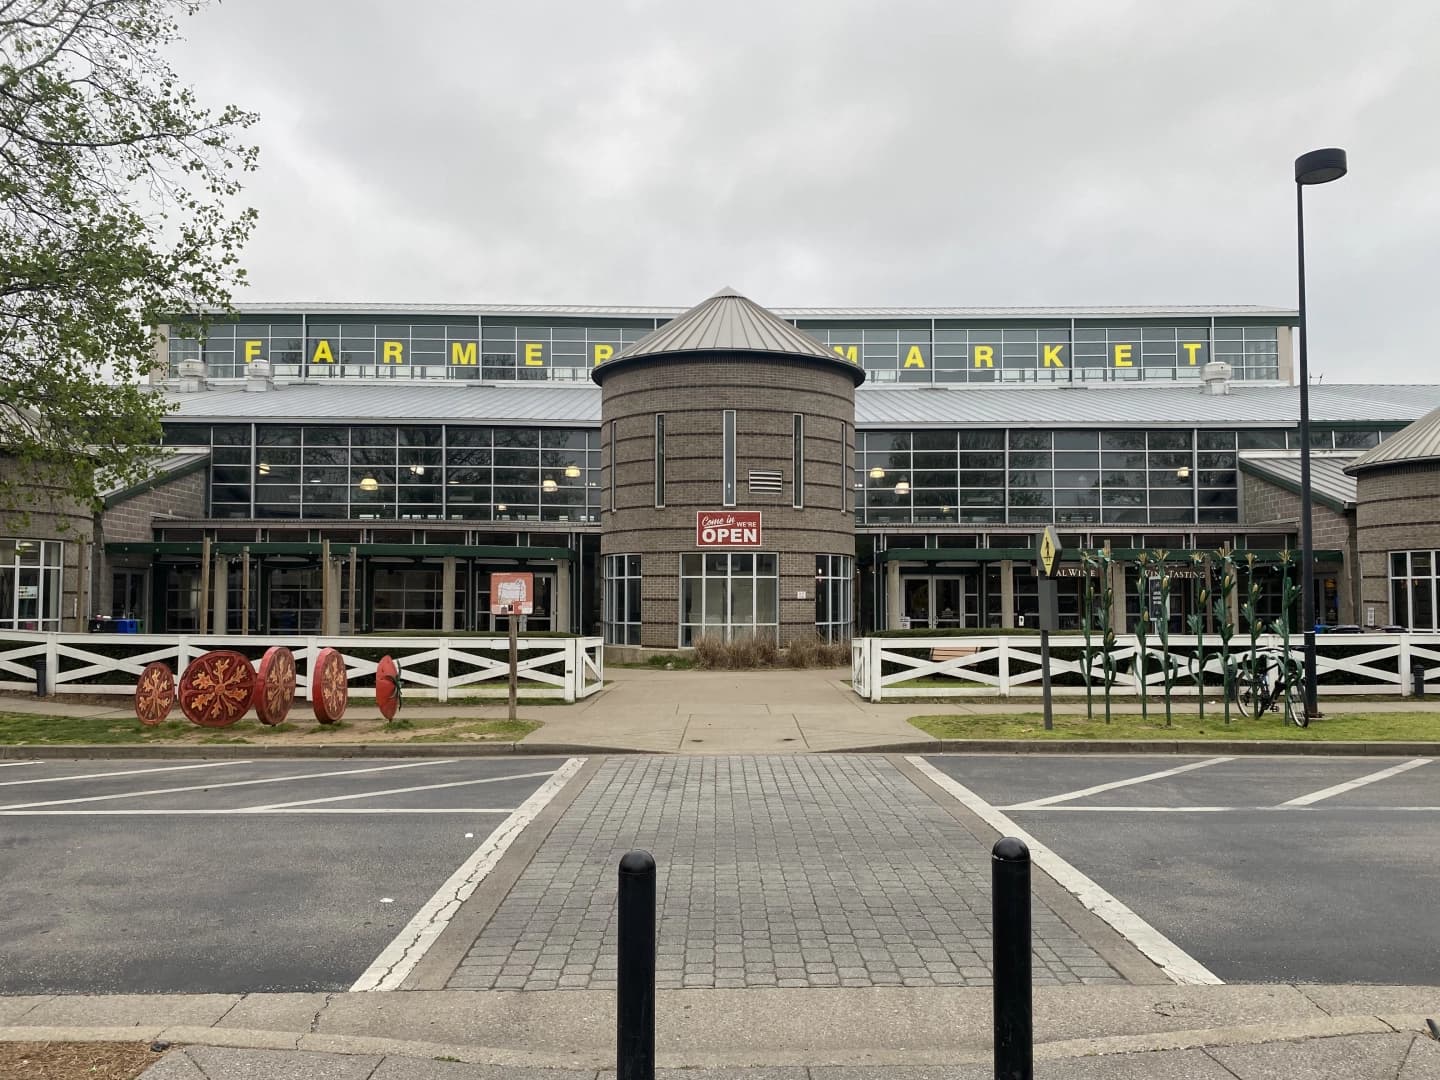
x=1009, y=666
x=441, y=668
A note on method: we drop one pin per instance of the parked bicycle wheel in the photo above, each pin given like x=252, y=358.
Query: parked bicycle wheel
x=1295, y=696
x=1249, y=694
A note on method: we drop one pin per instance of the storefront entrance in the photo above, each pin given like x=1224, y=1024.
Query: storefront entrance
x=941, y=601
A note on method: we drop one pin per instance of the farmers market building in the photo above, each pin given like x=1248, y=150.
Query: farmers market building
x=668, y=473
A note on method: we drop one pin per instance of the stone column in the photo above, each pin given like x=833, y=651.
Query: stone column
x=447, y=594
x=1007, y=593
x=1117, y=605
x=330, y=616
x=220, y=580
x=561, y=619
x=892, y=596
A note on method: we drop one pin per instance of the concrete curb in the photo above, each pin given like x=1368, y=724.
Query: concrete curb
x=51, y=751
x=919, y=746
x=595, y=1058
x=1147, y=746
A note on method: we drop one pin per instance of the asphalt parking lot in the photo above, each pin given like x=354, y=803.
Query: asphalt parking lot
x=232, y=876
x=1260, y=868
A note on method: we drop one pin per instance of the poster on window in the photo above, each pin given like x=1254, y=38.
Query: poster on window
x=512, y=594
x=727, y=528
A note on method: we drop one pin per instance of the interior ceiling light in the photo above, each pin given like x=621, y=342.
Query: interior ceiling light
x=264, y=468
x=369, y=483
x=548, y=485
x=902, y=488
x=877, y=473
x=572, y=471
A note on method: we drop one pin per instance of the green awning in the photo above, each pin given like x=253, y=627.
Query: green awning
x=413, y=551
x=1072, y=555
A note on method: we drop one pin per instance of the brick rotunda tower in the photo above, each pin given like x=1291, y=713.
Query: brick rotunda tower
x=727, y=444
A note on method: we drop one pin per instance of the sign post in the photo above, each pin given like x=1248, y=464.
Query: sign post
x=1048, y=564
x=513, y=595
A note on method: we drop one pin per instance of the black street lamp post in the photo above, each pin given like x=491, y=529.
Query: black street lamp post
x=1316, y=167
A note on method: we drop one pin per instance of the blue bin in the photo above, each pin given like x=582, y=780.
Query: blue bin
x=127, y=626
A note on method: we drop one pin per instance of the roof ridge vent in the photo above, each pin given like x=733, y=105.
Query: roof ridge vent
x=1215, y=378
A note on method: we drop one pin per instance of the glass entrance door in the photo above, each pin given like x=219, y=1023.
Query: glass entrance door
x=949, y=606
x=946, y=602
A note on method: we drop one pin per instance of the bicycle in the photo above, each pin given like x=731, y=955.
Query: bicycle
x=1274, y=681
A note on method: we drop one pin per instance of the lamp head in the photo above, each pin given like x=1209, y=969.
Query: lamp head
x=1320, y=166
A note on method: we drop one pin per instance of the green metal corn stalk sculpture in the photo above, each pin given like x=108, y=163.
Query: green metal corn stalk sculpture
x=1142, y=632
x=1225, y=623
x=1200, y=603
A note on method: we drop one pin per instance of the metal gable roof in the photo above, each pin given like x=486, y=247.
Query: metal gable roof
x=1418, y=442
x=368, y=403
x=579, y=404
x=1328, y=480
x=729, y=323
x=1121, y=406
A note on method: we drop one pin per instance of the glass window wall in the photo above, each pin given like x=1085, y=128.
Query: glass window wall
x=834, y=576
x=622, y=599
x=30, y=574
x=387, y=472
x=726, y=595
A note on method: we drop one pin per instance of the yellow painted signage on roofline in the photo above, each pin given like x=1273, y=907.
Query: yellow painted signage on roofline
x=536, y=354
x=1052, y=356
x=462, y=353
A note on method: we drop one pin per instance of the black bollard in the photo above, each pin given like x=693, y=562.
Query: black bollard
x=1010, y=907
x=635, y=969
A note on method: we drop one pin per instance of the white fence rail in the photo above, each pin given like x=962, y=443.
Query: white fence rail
x=1009, y=666
x=430, y=667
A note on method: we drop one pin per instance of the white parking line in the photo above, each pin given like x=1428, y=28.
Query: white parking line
x=1351, y=785
x=1136, y=809
x=393, y=791
x=289, y=810
x=122, y=772
x=1179, y=965
x=12, y=764
x=399, y=958
x=227, y=784
x=1051, y=800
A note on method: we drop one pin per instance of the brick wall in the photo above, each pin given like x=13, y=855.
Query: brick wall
x=46, y=514
x=133, y=521
x=693, y=393
x=1265, y=504
x=1398, y=509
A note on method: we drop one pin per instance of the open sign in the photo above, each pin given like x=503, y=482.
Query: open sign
x=727, y=528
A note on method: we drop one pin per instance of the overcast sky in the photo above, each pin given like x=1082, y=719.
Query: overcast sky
x=836, y=152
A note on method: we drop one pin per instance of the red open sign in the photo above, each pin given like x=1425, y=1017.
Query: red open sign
x=727, y=528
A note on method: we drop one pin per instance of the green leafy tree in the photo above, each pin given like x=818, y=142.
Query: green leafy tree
x=117, y=209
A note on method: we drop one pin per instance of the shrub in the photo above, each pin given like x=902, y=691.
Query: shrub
x=804, y=651
x=711, y=653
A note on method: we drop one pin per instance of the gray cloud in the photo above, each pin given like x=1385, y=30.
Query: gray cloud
x=834, y=152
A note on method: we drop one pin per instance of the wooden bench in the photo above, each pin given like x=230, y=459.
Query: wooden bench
x=953, y=652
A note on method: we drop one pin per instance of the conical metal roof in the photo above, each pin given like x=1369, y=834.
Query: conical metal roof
x=1418, y=442
x=729, y=323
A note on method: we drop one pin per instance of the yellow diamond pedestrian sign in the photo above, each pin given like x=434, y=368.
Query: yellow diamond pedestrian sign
x=1049, y=551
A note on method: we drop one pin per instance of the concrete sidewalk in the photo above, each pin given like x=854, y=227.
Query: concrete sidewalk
x=890, y=1033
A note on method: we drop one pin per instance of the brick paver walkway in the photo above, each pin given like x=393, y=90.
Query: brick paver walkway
x=773, y=871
